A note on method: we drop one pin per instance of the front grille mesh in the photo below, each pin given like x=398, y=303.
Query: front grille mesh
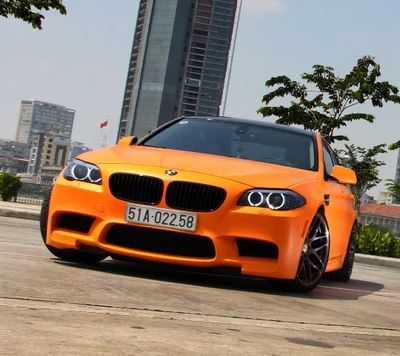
x=136, y=188
x=194, y=196
x=161, y=241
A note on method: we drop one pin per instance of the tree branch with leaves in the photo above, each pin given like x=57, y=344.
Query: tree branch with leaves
x=393, y=188
x=364, y=163
x=332, y=97
x=29, y=10
x=394, y=146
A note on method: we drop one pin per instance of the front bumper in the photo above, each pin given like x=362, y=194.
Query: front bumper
x=285, y=229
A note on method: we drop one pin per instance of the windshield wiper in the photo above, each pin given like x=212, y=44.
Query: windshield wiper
x=154, y=146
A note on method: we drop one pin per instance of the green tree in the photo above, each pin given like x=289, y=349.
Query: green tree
x=393, y=188
x=9, y=186
x=29, y=10
x=394, y=146
x=364, y=163
x=332, y=96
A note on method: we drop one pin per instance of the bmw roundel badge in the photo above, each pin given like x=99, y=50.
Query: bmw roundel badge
x=171, y=172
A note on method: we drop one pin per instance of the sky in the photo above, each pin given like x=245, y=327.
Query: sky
x=81, y=61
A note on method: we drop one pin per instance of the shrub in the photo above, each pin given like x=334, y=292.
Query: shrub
x=9, y=186
x=375, y=240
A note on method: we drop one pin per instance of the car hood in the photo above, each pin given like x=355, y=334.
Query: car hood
x=254, y=174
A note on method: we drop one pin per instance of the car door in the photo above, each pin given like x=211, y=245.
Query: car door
x=339, y=209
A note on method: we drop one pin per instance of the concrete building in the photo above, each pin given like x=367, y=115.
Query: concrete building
x=39, y=116
x=49, y=155
x=178, y=62
x=11, y=157
x=13, y=165
x=12, y=149
x=384, y=198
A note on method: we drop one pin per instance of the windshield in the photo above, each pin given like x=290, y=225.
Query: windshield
x=239, y=140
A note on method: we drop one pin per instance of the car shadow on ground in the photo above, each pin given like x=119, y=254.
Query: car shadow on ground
x=327, y=290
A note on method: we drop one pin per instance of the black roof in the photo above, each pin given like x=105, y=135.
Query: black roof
x=252, y=122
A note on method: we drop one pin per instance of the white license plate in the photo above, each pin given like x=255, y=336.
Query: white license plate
x=161, y=217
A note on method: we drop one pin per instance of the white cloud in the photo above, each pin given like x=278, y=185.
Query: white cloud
x=259, y=7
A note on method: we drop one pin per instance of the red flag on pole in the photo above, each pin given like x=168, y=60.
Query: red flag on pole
x=103, y=124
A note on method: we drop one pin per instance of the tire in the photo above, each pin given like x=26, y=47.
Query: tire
x=344, y=274
x=313, y=260
x=69, y=255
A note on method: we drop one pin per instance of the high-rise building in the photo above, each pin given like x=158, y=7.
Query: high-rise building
x=397, y=176
x=38, y=116
x=178, y=62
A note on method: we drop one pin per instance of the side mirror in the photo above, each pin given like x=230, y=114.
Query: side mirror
x=128, y=141
x=344, y=175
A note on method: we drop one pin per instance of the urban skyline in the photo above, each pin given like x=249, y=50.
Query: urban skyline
x=43, y=145
x=43, y=141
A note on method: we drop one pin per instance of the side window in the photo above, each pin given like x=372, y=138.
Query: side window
x=334, y=156
x=329, y=160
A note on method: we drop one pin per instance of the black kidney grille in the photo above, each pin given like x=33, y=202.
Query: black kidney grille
x=136, y=188
x=161, y=241
x=194, y=196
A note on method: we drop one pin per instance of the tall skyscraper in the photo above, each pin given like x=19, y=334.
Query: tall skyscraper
x=178, y=62
x=38, y=116
x=397, y=175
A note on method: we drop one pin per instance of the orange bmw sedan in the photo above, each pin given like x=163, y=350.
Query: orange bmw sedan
x=256, y=198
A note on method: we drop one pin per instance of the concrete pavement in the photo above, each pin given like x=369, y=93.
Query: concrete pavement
x=32, y=212
x=18, y=210
x=51, y=307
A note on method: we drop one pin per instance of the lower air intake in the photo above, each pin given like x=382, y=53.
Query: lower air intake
x=76, y=222
x=256, y=248
x=161, y=241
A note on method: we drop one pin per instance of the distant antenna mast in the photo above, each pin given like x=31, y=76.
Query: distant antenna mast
x=231, y=57
x=104, y=142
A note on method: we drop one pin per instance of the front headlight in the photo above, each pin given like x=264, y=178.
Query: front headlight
x=272, y=199
x=82, y=171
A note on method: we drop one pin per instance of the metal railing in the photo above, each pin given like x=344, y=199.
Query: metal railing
x=31, y=193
